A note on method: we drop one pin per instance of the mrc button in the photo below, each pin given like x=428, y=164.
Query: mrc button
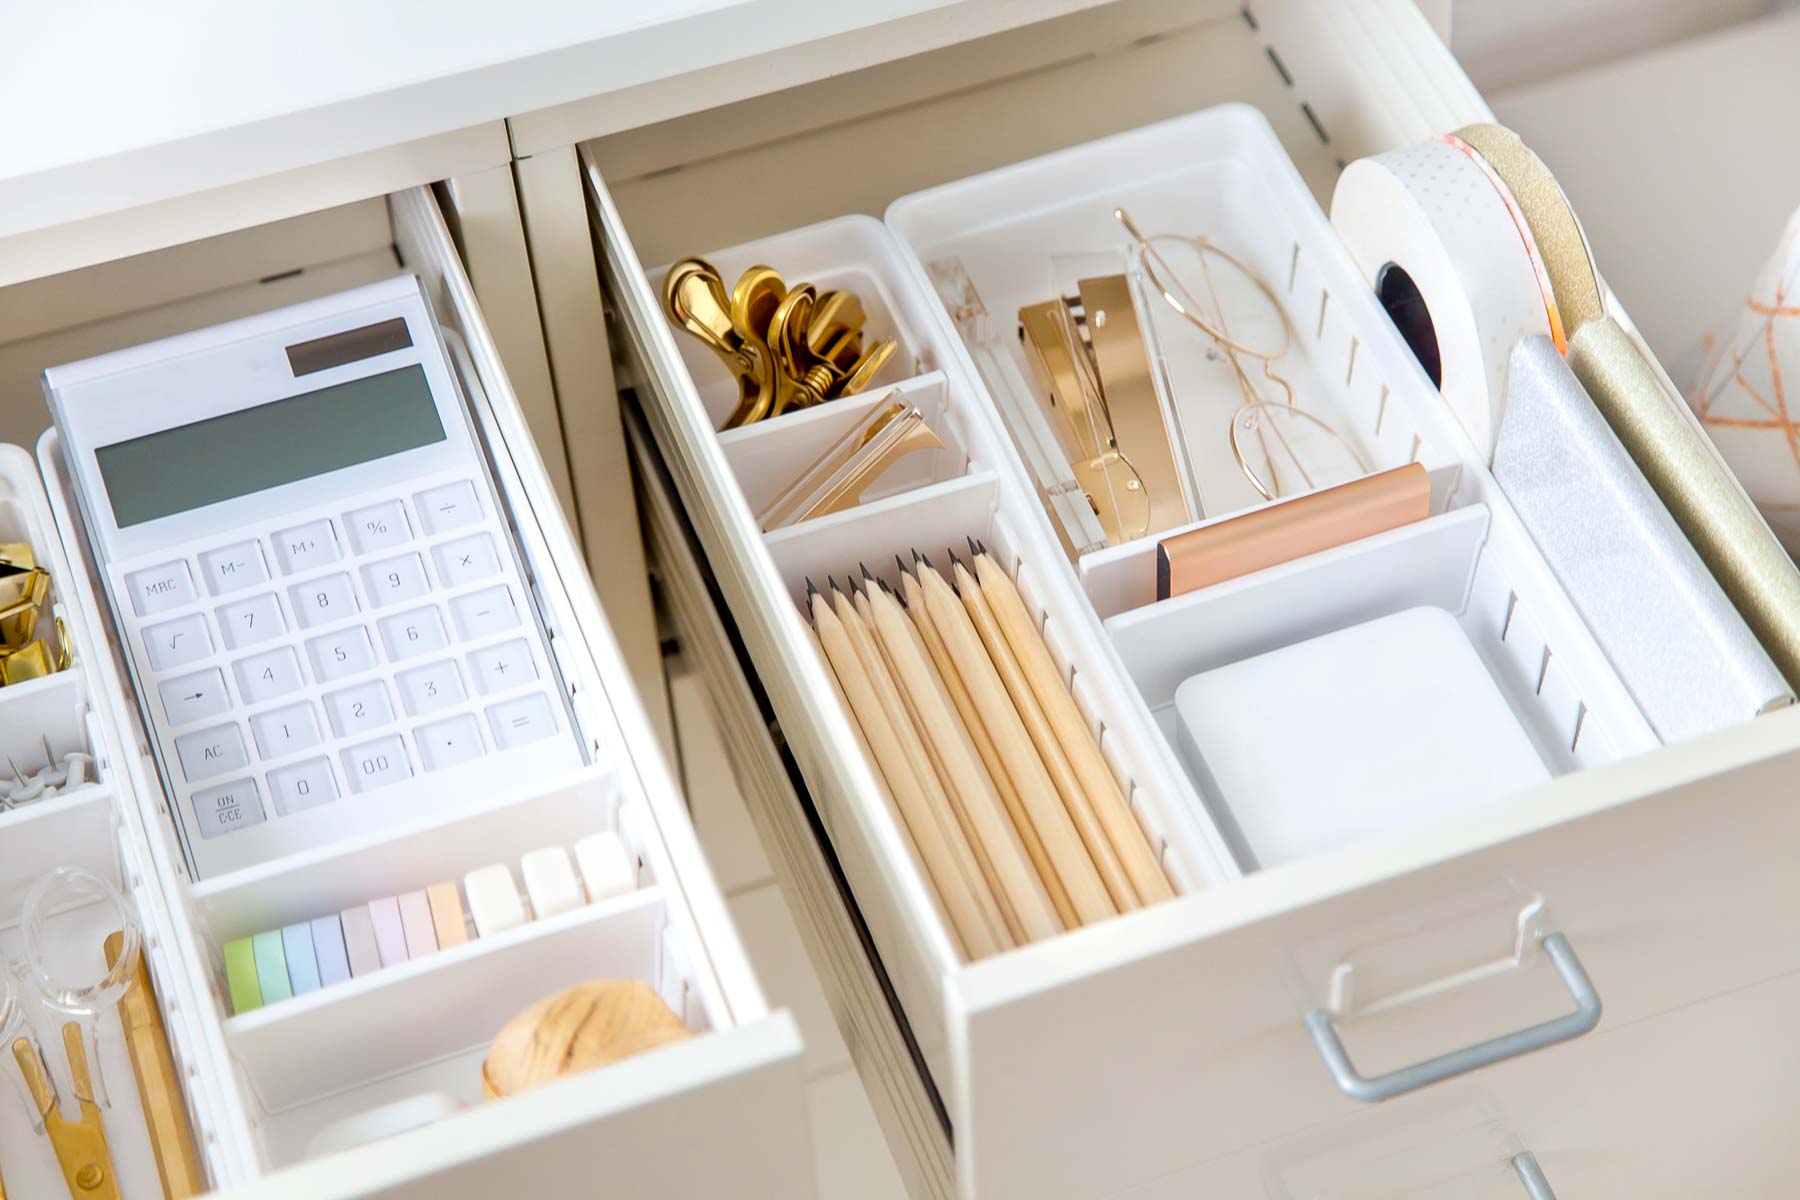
x=158, y=589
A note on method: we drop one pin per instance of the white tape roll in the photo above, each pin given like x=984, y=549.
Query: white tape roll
x=1431, y=210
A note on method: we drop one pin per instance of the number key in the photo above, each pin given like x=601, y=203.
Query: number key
x=251, y=622
x=303, y=785
x=359, y=709
x=341, y=654
x=430, y=687
x=395, y=579
x=376, y=764
x=378, y=527
x=268, y=676
x=285, y=731
x=322, y=601
x=410, y=634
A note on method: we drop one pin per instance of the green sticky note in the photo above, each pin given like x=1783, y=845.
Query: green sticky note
x=240, y=976
x=271, y=966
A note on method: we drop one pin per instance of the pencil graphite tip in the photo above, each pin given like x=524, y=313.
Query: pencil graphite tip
x=954, y=561
x=832, y=581
x=811, y=591
x=973, y=547
x=865, y=570
x=901, y=563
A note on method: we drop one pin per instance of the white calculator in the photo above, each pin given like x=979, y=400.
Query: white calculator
x=324, y=610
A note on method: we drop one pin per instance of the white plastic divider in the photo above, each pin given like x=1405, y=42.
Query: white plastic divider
x=442, y=1005
x=329, y=880
x=769, y=455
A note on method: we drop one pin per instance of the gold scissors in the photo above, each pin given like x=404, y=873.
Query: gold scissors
x=81, y=1148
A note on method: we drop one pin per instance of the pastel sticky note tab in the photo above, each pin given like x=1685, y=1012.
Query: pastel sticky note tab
x=415, y=920
x=359, y=941
x=550, y=882
x=328, y=949
x=390, y=934
x=271, y=966
x=302, y=963
x=607, y=868
x=447, y=919
x=240, y=976
x=493, y=900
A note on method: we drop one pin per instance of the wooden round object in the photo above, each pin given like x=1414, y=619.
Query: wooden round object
x=578, y=1029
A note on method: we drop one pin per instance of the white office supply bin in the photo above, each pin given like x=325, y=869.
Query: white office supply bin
x=721, y=1113
x=1232, y=1041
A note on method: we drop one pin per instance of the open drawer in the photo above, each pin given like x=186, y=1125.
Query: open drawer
x=720, y=1113
x=1124, y=1056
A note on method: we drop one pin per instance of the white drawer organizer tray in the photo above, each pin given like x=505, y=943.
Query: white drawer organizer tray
x=1113, y=1059
x=262, y=1084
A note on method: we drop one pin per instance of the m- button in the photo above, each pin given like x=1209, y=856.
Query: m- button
x=306, y=546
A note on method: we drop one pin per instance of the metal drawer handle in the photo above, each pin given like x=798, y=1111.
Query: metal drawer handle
x=1532, y=1176
x=1468, y=1058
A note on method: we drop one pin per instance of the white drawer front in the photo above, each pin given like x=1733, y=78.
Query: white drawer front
x=723, y=1113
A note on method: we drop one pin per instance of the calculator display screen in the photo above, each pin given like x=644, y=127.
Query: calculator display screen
x=253, y=449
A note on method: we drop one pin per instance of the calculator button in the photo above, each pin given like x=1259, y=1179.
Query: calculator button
x=448, y=507
x=228, y=807
x=306, y=546
x=499, y=668
x=359, y=709
x=322, y=601
x=174, y=643
x=193, y=697
x=395, y=579
x=341, y=654
x=268, y=676
x=430, y=687
x=376, y=764
x=488, y=611
x=410, y=634
x=158, y=589
x=467, y=560
x=211, y=752
x=449, y=742
x=303, y=785
x=251, y=622
x=285, y=731
x=234, y=568
x=378, y=527
x=526, y=719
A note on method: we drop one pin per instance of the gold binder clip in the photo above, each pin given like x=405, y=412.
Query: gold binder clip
x=81, y=1148
x=1065, y=373
x=837, y=479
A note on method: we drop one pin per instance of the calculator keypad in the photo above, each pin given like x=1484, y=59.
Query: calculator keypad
x=381, y=652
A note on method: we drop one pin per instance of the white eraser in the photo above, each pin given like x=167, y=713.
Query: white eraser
x=550, y=882
x=606, y=866
x=493, y=899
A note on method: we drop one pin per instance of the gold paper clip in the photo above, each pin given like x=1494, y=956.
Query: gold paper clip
x=837, y=479
x=81, y=1148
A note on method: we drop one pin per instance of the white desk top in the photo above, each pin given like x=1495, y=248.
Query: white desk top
x=114, y=104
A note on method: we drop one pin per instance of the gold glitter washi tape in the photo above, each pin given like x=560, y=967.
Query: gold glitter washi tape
x=1730, y=535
